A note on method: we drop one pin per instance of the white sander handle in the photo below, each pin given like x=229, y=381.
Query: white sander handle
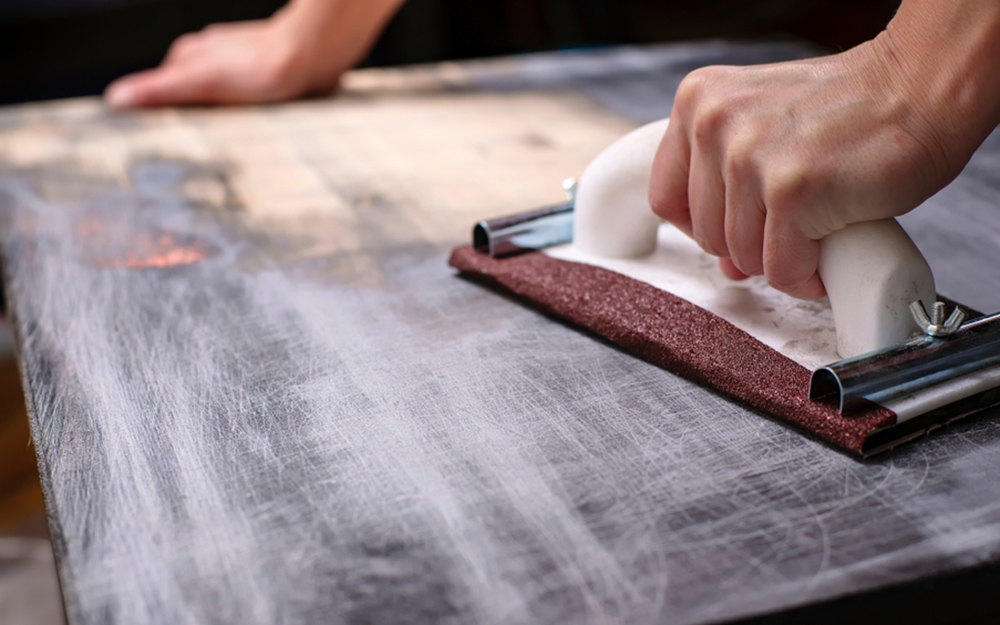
x=871, y=271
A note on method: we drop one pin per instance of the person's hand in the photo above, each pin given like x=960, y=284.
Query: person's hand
x=243, y=62
x=760, y=163
x=302, y=49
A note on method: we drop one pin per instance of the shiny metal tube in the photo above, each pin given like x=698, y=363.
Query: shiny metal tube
x=923, y=366
x=524, y=232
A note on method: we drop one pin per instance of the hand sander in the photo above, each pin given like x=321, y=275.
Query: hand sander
x=865, y=369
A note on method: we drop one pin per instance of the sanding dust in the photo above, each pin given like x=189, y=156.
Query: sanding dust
x=803, y=331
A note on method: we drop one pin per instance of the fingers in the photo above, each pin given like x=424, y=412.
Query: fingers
x=164, y=84
x=768, y=243
x=707, y=200
x=790, y=259
x=185, y=47
x=668, y=185
x=730, y=270
x=687, y=187
x=722, y=208
x=744, y=215
x=170, y=84
x=123, y=93
x=763, y=241
x=709, y=181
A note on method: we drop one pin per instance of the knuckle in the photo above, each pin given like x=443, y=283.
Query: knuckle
x=688, y=91
x=784, y=273
x=185, y=41
x=656, y=201
x=751, y=268
x=741, y=249
x=786, y=187
x=782, y=281
x=215, y=29
x=748, y=267
x=182, y=46
x=661, y=204
x=704, y=243
x=709, y=119
x=711, y=240
x=176, y=48
x=716, y=249
x=693, y=87
x=740, y=159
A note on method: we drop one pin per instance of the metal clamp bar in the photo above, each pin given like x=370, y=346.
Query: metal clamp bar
x=524, y=232
x=920, y=363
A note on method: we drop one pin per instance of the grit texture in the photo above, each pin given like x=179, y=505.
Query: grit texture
x=673, y=333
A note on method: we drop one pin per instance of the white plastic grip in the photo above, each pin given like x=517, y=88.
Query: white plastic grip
x=871, y=271
x=616, y=221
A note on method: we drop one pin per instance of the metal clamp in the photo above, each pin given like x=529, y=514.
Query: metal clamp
x=525, y=232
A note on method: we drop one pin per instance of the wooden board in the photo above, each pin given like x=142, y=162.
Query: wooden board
x=257, y=394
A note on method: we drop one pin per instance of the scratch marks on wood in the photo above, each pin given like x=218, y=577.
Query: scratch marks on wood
x=353, y=434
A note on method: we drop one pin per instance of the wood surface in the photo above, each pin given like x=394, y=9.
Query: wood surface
x=258, y=394
x=29, y=588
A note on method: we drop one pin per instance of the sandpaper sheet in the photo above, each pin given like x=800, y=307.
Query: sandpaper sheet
x=671, y=332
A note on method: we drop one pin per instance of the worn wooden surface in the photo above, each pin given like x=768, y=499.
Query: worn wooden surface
x=29, y=589
x=258, y=394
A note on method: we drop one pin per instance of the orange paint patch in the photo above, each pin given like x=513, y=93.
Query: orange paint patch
x=166, y=252
x=142, y=251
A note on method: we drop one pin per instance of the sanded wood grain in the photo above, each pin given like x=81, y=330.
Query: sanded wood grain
x=259, y=395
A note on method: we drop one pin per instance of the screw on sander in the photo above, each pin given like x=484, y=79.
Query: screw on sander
x=935, y=323
x=569, y=186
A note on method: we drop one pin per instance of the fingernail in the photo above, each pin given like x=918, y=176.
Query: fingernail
x=121, y=96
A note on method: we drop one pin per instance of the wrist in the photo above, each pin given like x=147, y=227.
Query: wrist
x=333, y=35
x=940, y=59
x=325, y=20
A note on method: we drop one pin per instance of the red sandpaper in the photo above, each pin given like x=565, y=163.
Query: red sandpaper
x=671, y=332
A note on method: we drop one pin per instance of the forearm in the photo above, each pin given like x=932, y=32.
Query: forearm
x=947, y=55
x=327, y=10
x=340, y=23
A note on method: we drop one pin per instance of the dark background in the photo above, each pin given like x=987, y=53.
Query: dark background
x=63, y=48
